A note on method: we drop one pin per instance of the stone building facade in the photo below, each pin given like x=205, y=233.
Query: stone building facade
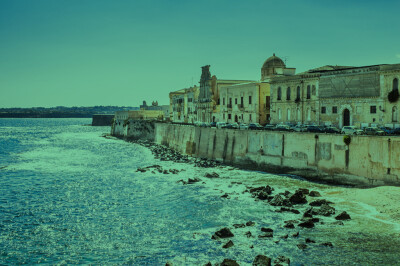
x=337, y=95
x=182, y=105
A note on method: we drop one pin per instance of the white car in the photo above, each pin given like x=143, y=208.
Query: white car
x=351, y=130
x=220, y=124
x=243, y=126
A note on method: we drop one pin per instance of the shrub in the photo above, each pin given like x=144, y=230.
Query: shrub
x=346, y=139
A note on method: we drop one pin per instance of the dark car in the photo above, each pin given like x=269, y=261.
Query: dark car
x=269, y=127
x=331, y=129
x=388, y=130
x=255, y=126
x=213, y=124
x=396, y=131
x=314, y=129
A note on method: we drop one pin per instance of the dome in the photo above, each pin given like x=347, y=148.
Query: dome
x=274, y=61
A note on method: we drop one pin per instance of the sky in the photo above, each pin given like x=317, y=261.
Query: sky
x=120, y=52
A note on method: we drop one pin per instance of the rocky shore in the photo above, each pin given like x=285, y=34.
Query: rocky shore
x=309, y=207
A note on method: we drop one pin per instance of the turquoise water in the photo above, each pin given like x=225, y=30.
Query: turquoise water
x=70, y=196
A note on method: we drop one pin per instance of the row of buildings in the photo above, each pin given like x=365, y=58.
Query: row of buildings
x=329, y=95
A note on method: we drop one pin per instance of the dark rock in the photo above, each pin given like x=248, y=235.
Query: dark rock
x=326, y=210
x=278, y=200
x=285, y=236
x=328, y=244
x=343, y=216
x=251, y=246
x=165, y=172
x=224, y=233
x=248, y=234
x=141, y=170
x=282, y=260
x=305, y=191
x=320, y=202
x=168, y=264
x=211, y=175
x=314, y=193
x=284, y=209
x=193, y=180
x=298, y=198
x=307, y=224
x=289, y=225
x=308, y=213
x=266, y=230
x=228, y=244
x=302, y=246
x=309, y=240
x=208, y=264
x=287, y=193
x=239, y=225
x=226, y=195
x=267, y=234
x=296, y=234
x=182, y=181
x=261, y=260
x=229, y=262
x=250, y=223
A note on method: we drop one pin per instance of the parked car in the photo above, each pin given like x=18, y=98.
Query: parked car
x=243, y=126
x=396, y=131
x=300, y=128
x=213, y=124
x=270, y=127
x=283, y=128
x=314, y=129
x=255, y=126
x=220, y=124
x=331, y=129
x=388, y=130
x=374, y=131
x=232, y=126
x=351, y=130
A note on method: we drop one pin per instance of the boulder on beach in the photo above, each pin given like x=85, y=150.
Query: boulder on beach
x=228, y=244
x=223, y=233
x=314, y=193
x=343, y=216
x=193, y=180
x=250, y=223
x=266, y=235
x=284, y=209
x=261, y=260
x=211, y=175
x=267, y=230
x=278, y=200
x=302, y=246
x=307, y=224
x=239, y=225
x=320, y=202
x=298, y=198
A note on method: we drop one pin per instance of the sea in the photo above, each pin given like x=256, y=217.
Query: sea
x=70, y=195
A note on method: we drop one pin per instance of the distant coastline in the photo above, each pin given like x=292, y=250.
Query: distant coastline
x=60, y=111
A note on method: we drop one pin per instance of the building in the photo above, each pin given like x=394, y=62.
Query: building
x=155, y=107
x=338, y=95
x=182, y=105
x=209, y=102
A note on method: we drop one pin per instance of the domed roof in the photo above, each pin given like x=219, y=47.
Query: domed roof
x=274, y=61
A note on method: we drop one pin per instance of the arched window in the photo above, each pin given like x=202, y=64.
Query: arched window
x=308, y=92
x=288, y=93
x=279, y=93
x=298, y=93
x=395, y=84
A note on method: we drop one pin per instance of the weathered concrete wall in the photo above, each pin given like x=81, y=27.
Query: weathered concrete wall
x=366, y=161
x=133, y=129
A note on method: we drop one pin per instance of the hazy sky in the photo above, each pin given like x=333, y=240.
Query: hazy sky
x=117, y=52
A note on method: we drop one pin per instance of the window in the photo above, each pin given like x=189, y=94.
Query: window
x=308, y=92
x=229, y=116
x=223, y=101
x=323, y=110
x=241, y=101
x=372, y=109
x=288, y=94
x=235, y=100
x=395, y=84
x=223, y=116
x=218, y=102
x=334, y=109
x=250, y=117
x=298, y=93
x=249, y=99
x=279, y=94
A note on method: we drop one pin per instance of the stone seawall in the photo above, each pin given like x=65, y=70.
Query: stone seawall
x=133, y=129
x=366, y=161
